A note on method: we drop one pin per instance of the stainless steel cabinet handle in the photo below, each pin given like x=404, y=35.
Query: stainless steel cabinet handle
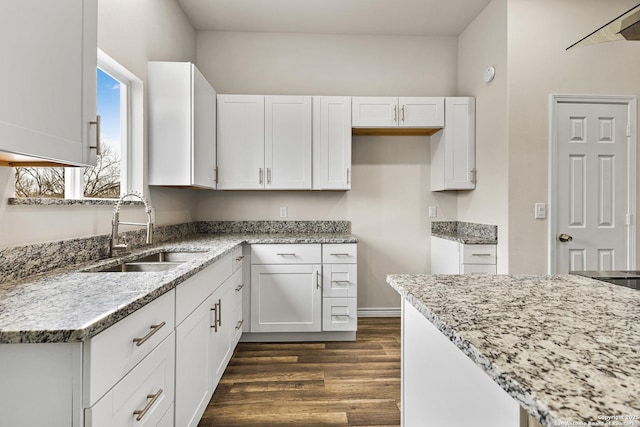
x=260, y=176
x=317, y=279
x=268, y=175
x=403, y=114
x=240, y=258
x=154, y=329
x=341, y=282
x=219, y=312
x=474, y=176
x=287, y=254
x=565, y=238
x=97, y=147
x=481, y=254
x=216, y=314
x=395, y=113
x=339, y=254
x=239, y=325
x=348, y=176
x=239, y=288
x=216, y=174
x=142, y=412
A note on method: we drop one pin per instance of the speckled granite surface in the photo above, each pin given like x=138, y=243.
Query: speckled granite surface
x=71, y=305
x=274, y=227
x=567, y=348
x=465, y=232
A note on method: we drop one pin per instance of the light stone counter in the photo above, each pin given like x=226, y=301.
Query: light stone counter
x=566, y=348
x=72, y=305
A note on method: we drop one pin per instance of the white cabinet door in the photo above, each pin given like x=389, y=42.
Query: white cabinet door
x=331, y=143
x=193, y=366
x=49, y=60
x=453, y=149
x=445, y=256
x=203, y=155
x=240, y=142
x=421, y=112
x=286, y=298
x=182, y=126
x=374, y=112
x=287, y=142
x=340, y=280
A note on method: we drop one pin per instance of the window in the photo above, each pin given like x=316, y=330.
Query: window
x=118, y=100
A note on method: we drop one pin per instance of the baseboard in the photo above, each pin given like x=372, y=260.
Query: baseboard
x=298, y=336
x=379, y=312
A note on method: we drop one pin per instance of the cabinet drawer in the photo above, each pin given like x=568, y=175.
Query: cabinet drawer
x=478, y=254
x=286, y=254
x=149, y=386
x=339, y=314
x=191, y=292
x=237, y=257
x=478, y=269
x=339, y=253
x=111, y=354
x=339, y=280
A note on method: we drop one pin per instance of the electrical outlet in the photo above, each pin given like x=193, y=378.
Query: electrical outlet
x=433, y=211
x=283, y=211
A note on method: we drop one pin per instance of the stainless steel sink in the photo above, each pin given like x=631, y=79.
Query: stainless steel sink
x=168, y=257
x=140, y=267
x=159, y=261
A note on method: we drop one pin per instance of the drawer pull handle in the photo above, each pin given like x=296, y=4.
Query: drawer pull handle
x=142, y=412
x=239, y=288
x=240, y=258
x=339, y=254
x=239, y=325
x=317, y=279
x=480, y=254
x=154, y=329
x=341, y=282
x=286, y=254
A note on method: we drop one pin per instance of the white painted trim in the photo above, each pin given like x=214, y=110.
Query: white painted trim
x=379, y=312
x=632, y=142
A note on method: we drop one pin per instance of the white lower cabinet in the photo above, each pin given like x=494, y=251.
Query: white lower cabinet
x=453, y=257
x=143, y=396
x=286, y=298
x=339, y=287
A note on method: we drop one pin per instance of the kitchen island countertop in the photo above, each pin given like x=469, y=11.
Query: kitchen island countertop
x=69, y=304
x=566, y=348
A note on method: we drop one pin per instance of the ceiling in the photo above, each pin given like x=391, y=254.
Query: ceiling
x=384, y=17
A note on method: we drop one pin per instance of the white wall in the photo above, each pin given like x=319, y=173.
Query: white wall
x=390, y=192
x=131, y=32
x=484, y=44
x=538, y=33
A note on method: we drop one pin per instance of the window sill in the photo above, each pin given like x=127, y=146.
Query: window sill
x=23, y=201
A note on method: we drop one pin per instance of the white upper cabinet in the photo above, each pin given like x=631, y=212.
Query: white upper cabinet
x=182, y=126
x=331, y=143
x=287, y=142
x=453, y=149
x=49, y=60
x=390, y=112
x=264, y=142
x=240, y=142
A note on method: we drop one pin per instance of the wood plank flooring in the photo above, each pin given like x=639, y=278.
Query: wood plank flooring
x=313, y=384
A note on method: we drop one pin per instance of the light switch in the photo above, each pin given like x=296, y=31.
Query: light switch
x=433, y=211
x=540, y=211
x=283, y=211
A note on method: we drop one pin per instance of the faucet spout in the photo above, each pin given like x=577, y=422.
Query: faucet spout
x=118, y=248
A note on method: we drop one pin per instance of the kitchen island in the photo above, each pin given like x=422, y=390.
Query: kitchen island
x=477, y=349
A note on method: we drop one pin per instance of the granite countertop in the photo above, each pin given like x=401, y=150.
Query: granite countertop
x=567, y=348
x=465, y=232
x=69, y=304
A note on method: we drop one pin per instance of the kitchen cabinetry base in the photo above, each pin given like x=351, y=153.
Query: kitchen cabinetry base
x=298, y=336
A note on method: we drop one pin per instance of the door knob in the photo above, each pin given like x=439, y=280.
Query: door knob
x=565, y=237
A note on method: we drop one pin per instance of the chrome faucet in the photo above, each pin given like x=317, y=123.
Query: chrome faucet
x=118, y=248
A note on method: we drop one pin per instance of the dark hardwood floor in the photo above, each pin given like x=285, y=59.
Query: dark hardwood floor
x=313, y=384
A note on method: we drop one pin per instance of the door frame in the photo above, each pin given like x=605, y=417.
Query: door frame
x=632, y=141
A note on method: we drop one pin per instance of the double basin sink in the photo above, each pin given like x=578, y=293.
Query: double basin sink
x=157, y=262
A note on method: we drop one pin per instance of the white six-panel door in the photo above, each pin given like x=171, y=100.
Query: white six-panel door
x=594, y=186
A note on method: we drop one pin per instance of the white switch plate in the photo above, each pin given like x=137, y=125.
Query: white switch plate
x=540, y=211
x=433, y=211
x=283, y=211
